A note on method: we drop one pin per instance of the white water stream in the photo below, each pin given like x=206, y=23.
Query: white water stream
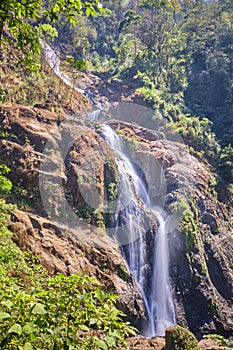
x=159, y=302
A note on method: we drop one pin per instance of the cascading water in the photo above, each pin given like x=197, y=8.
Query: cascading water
x=158, y=301
x=54, y=61
x=162, y=308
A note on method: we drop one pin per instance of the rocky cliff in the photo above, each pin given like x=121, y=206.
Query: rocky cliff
x=200, y=236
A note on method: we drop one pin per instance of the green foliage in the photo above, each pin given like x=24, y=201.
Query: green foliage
x=225, y=158
x=218, y=339
x=24, y=198
x=5, y=184
x=112, y=191
x=3, y=134
x=181, y=339
x=26, y=23
x=38, y=312
x=122, y=272
x=2, y=94
x=178, y=55
x=197, y=133
x=5, y=188
x=98, y=218
x=209, y=65
x=71, y=311
x=187, y=224
x=130, y=143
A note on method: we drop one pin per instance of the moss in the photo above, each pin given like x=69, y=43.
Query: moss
x=188, y=227
x=219, y=339
x=122, y=272
x=179, y=338
x=130, y=143
x=187, y=213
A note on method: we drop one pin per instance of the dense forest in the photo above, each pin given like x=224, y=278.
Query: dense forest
x=177, y=57
x=178, y=54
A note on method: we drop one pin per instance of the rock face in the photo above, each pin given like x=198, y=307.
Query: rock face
x=200, y=234
x=200, y=237
x=85, y=248
x=63, y=252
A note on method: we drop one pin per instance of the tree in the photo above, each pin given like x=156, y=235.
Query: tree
x=209, y=64
x=24, y=22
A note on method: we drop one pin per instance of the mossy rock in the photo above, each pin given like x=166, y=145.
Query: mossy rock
x=179, y=338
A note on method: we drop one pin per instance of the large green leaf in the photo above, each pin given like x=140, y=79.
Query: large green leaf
x=28, y=346
x=4, y=315
x=39, y=309
x=111, y=341
x=101, y=344
x=28, y=328
x=84, y=328
x=16, y=328
x=7, y=303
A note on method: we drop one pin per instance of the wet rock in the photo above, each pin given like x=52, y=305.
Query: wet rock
x=149, y=135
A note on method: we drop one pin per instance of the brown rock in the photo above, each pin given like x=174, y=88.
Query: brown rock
x=65, y=252
x=209, y=344
x=140, y=343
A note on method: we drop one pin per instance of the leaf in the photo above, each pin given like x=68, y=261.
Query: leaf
x=28, y=328
x=116, y=334
x=28, y=346
x=110, y=341
x=84, y=328
x=101, y=344
x=39, y=309
x=4, y=315
x=88, y=11
x=131, y=331
x=16, y=328
x=7, y=303
x=69, y=342
x=93, y=321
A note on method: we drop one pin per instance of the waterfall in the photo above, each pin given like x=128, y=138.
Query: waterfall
x=158, y=300
x=54, y=62
x=162, y=308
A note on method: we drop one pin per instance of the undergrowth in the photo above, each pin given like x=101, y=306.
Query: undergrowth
x=38, y=311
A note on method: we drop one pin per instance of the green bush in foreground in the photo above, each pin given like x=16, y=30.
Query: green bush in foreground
x=69, y=313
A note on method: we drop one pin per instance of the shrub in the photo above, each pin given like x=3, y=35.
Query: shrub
x=62, y=312
x=70, y=312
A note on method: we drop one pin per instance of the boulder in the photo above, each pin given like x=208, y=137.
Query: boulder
x=179, y=338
